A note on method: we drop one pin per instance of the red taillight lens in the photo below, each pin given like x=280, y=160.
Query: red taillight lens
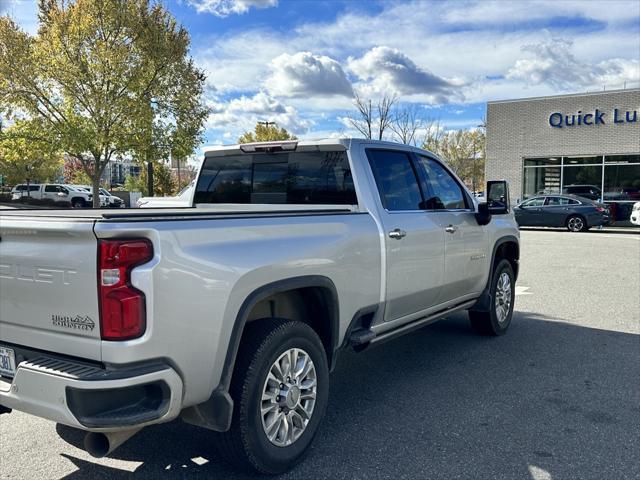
x=601, y=209
x=122, y=307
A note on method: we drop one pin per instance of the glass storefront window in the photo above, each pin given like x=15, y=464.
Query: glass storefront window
x=536, y=162
x=622, y=182
x=619, y=187
x=541, y=180
x=582, y=160
x=622, y=158
x=583, y=180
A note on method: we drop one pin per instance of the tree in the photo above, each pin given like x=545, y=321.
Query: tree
x=372, y=120
x=463, y=150
x=103, y=78
x=164, y=183
x=266, y=132
x=409, y=127
x=24, y=154
x=74, y=173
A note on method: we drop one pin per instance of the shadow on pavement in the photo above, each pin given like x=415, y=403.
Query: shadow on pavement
x=548, y=400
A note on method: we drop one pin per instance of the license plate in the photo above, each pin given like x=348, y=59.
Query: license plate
x=7, y=362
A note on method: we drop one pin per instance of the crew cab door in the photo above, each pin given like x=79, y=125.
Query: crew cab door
x=51, y=192
x=464, y=239
x=414, y=241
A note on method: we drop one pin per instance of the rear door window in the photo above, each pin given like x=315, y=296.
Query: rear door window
x=280, y=178
x=534, y=202
x=396, y=180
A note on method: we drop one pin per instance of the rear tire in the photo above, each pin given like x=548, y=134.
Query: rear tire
x=249, y=444
x=576, y=223
x=496, y=320
x=77, y=203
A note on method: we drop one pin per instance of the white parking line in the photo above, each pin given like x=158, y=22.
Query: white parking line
x=522, y=290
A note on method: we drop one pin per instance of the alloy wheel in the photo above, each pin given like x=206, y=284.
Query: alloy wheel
x=575, y=224
x=288, y=397
x=503, y=297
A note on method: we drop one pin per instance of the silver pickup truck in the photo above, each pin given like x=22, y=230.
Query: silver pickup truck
x=231, y=314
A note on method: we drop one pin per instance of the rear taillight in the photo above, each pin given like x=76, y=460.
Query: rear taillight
x=601, y=209
x=122, y=307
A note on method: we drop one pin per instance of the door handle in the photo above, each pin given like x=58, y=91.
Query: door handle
x=450, y=229
x=397, y=234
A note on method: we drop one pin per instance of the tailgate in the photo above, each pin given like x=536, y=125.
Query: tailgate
x=48, y=285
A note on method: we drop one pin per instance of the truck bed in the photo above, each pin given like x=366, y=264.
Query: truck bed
x=186, y=213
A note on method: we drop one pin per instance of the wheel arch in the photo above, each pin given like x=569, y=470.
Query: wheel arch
x=507, y=247
x=216, y=412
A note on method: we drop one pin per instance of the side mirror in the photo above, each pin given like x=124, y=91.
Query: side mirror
x=483, y=215
x=498, y=196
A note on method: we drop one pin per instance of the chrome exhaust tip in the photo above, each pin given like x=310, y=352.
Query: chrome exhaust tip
x=101, y=444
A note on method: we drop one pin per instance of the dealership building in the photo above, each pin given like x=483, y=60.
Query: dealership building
x=587, y=144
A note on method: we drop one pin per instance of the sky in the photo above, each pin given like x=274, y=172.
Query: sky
x=299, y=62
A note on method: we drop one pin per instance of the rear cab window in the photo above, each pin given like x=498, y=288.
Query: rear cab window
x=302, y=178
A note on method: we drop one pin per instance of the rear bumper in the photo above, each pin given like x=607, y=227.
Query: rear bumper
x=92, y=398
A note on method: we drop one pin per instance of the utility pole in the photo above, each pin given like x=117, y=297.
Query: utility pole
x=150, y=178
x=267, y=123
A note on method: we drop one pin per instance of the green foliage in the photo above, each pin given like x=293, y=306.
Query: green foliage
x=266, y=133
x=25, y=154
x=164, y=184
x=75, y=174
x=105, y=78
x=137, y=184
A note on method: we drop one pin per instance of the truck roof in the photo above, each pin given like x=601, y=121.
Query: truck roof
x=301, y=145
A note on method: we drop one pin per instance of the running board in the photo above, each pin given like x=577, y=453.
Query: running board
x=361, y=339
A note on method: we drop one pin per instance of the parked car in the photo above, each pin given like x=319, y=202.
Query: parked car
x=107, y=199
x=78, y=198
x=635, y=214
x=232, y=314
x=575, y=213
x=182, y=199
x=585, y=191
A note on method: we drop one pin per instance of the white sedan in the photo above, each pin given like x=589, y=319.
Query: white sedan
x=635, y=214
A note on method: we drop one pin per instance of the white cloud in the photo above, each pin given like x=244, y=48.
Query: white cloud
x=240, y=62
x=554, y=63
x=240, y=114
x=224, y=8
x=390, y=70
x=307, y=75
x=491, y=13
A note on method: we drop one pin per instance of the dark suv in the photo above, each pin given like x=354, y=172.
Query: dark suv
x=585, y=191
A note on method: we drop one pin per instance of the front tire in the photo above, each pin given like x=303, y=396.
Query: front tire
x=496, y=320
x=280, y=389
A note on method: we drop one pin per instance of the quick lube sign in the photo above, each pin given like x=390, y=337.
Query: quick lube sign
x=596, y=117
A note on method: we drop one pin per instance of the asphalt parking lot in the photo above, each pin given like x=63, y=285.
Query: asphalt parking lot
x=558, y=397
